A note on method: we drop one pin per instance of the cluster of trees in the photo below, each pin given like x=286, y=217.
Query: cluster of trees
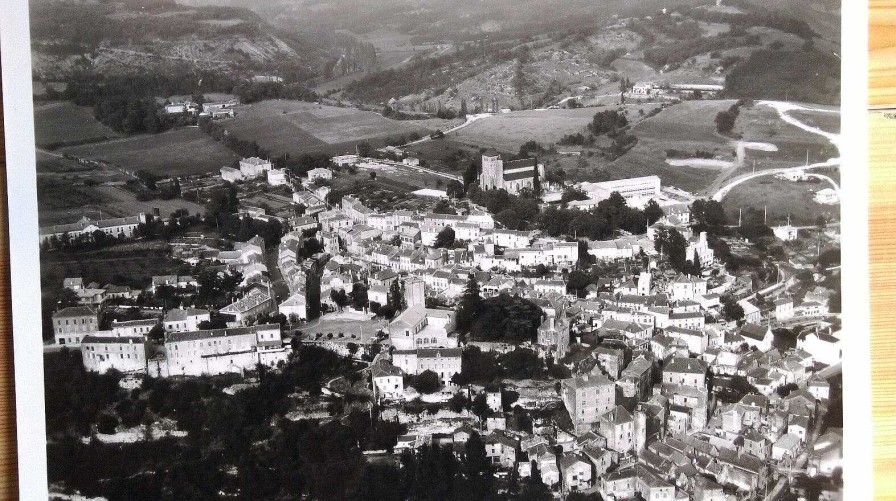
x=673, y=55
x=601, y=222
x=673, y=153
x=808, y=75
x=500, y=318
x=726, y=119
x=514, y=212
x=84, y=242
x=252, y=92
x=609, y=122
x=241, y=229
x=752, y=16
x=577, y=139
x=484, y=368
x=422, y=73
x=670, y=243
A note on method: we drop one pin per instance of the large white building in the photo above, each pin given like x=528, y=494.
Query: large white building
x=122, y=353
x=388, y=381
x=421, y=327
x=255, y=302
x=446, y=362
x=512, y=175
x=686, y=287
x=71, y=324
x=253, y=167
x=134, y=328
x=119, y=227
x=185, y=320
x=636, y=191
x=587, y=398
x=221, y=351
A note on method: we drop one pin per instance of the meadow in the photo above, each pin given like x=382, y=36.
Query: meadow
x=297, y=127
x=781, y=198
x=64, y=123
x=174, y=153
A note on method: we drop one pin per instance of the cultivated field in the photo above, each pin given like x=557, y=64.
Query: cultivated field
x=175, y=153
x=781, y=198
x=62, y=123
x=298, y=127
x=508, y=131
x=62, y=201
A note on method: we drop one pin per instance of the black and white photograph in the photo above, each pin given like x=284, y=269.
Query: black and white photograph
x=439, y=249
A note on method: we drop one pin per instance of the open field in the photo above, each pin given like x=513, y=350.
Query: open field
x=133, y=267
x=61, y=201
x=64, y=123
x=298, y=127
x=174, y=153
x=782, y=198
x=507, y=131
x=688, y=126
x=828, y=122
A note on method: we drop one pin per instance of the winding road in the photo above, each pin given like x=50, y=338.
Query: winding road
x=782, y=108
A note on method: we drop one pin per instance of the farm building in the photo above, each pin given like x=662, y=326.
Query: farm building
x=231, y=175
x=827, y=196
x=120, y=227
x=253, y=167
x=320, y=173
x=277, y=177
x=642, y=88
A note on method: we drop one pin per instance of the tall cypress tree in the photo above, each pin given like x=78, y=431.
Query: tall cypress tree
x=396, y=299
x=470, y=305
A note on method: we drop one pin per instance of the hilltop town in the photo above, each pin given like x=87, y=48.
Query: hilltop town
x=498, y=250
x=641, y=363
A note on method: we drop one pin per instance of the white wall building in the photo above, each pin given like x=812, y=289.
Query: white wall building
x=184, y=320
x=222, y=351
x=125, y=354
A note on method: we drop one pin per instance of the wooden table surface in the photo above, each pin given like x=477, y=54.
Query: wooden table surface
x=882, y=228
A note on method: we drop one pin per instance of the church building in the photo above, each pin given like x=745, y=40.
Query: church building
x=511, y=175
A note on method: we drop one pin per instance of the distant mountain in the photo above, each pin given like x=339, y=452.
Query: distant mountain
x=143, y=35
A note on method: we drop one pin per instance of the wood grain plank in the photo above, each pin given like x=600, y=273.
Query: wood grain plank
x=9, y=486
x=882, y=268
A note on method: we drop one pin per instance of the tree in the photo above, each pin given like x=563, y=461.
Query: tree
x=471, y=174
x=463, y=108
x=359, y=295
x=730, y=309
x=363, y=149
x=572, y=194
x=455, y=189
x=708, y=215
x=477, y=462
x=469, y=306
x=670, y=243
x=396, y=298
x=534, y=488
x=67, y=298
x=445, y=238
x=653, y=212
x=427, y=382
